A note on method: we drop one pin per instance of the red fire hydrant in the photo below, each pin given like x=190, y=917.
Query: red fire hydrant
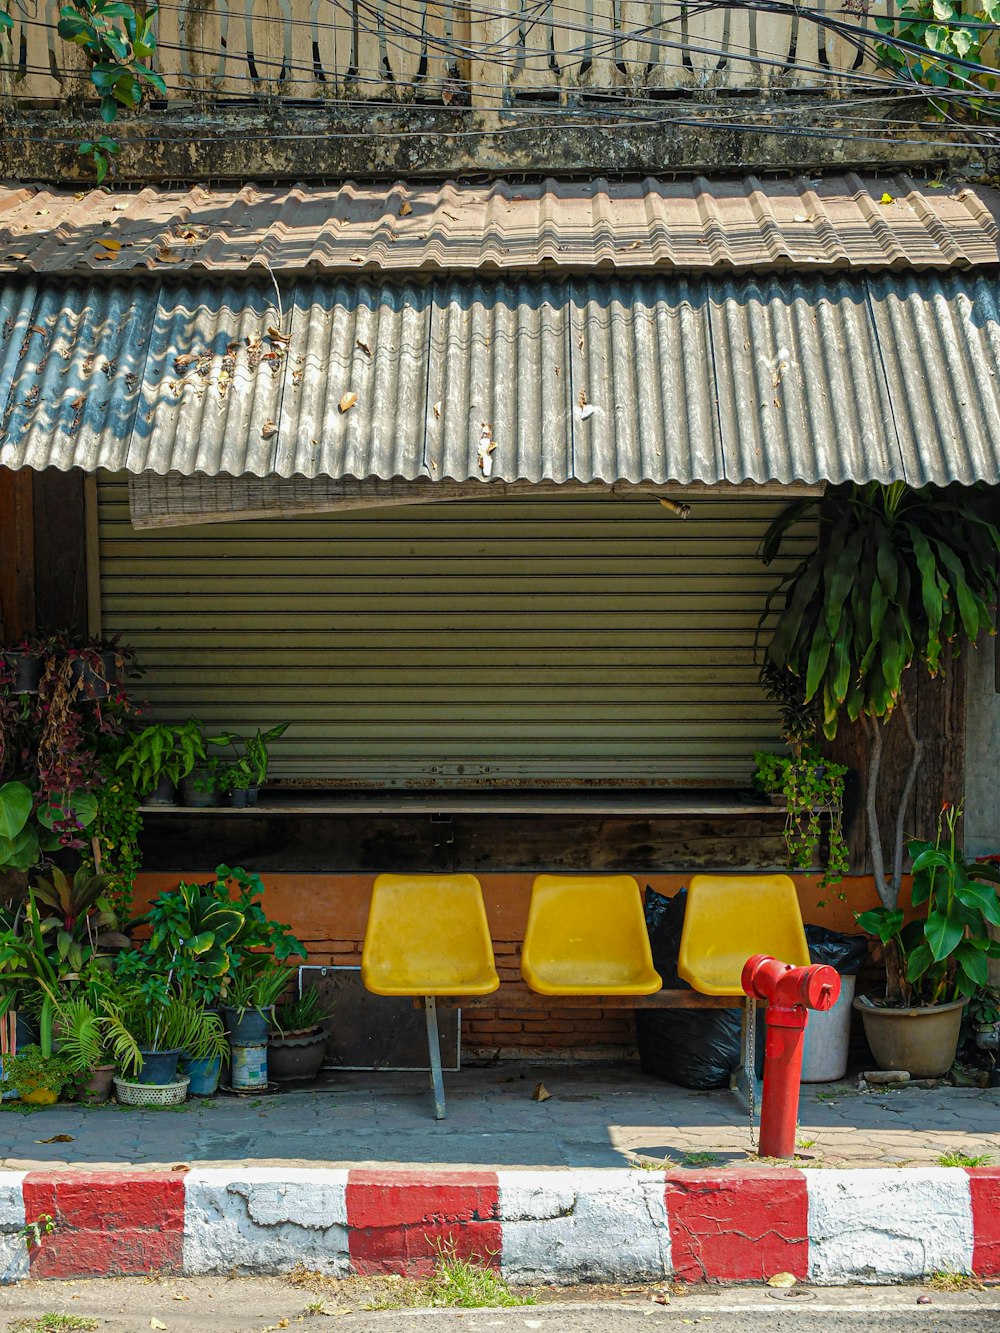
x=790, y=993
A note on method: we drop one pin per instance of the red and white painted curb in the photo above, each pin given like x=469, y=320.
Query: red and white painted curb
x=837, y=1226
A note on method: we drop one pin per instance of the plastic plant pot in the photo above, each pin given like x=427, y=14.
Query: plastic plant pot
x=158, y=1067
x=248, y=1029
x=202, y=1075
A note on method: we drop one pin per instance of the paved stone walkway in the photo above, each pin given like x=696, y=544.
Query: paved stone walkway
x=597, y=1115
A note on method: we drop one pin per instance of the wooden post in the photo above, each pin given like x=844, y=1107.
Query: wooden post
x=17, y=554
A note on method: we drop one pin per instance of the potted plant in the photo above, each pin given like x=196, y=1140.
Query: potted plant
x=202, y=787
x=253, y=763
x=36, y=1078
x=257, y=985
x=156, y=759
x=296, y=1043
x=149, y=1029
x=235, y=782
x=22, y=667
x=98, y=667
x=894, y=577
x=983, y=1013
x=76, y=916
x=81, y=1028
x=808, y=785
x=943, y=955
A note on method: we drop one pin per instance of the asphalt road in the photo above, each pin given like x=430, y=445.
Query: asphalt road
x=266, y=1305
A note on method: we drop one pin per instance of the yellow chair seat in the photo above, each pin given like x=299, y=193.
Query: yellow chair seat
x=428, y=935
x=586, y=935
x=728, y=919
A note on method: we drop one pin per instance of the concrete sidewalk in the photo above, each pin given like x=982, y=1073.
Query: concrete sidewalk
x=597, y=1116
x=612, y=1177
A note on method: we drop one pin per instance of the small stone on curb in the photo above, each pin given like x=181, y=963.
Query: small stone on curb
x=880, y=1078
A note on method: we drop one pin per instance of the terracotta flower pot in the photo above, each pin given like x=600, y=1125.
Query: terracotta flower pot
x=922, y=1041
x=94, y=1086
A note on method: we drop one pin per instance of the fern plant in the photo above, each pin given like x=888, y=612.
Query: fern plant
x=82, y=1030
x=136, y=1027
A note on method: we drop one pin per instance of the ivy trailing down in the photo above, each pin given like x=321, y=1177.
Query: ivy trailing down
x=943, y=45
x=120, y=42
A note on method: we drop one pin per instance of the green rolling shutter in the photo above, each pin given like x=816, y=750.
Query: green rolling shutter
x=540, y=641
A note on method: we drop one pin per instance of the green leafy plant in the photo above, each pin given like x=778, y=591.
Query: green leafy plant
x=944, y=954
x=255, y=756
x=121, y=56
x=161, y=751
x=813, y=788
x=258, y=983
x=939, y=44
x=30, y=1069
x=116, y=832
x=984, y=1006
x=19, y=841
x=32, y=1233
x=895, y=576
x=137, y=1027
x=202, y=934
x=27, y=973
x=302, y=1015
x=79, y=916
x=769, y=772
x=82, y=1029
x=235, y=776
x=799, y=719
x=208, y=777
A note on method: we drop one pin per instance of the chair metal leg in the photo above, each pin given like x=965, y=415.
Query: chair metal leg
x=434, y=1051
x=743, y=1081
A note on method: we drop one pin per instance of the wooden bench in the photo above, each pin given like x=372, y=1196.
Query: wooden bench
x=516, y=995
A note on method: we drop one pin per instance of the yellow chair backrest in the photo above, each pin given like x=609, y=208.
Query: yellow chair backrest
x=586, y=935
x=728, y=919
x=428, y=935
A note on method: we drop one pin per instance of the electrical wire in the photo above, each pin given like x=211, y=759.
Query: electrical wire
x=631, y=99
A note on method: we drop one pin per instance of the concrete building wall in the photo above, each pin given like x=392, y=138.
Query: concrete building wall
x=982, y=755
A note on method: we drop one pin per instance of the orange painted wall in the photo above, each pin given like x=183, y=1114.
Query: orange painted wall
x=329, y=912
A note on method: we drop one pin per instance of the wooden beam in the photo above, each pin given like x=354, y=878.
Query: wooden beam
x=17, y=554
x=175, y=500
x=60, y=550
x=516, y=995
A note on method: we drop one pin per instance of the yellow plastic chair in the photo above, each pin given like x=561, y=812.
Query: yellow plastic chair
x=728, y=919
x=586, y=935
x=428, y=935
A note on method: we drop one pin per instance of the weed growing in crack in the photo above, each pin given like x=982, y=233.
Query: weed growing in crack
x=466, y=1284
x=55, y=1323
x=963, y=1159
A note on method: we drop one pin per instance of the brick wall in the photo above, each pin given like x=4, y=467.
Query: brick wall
x=329, y=912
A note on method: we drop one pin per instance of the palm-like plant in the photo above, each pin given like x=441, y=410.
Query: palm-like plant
x=895, y=576
x=136, y=1027
x=82, y=1029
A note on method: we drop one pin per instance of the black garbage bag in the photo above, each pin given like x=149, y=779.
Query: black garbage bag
x=696, y=1048
x=846, y=953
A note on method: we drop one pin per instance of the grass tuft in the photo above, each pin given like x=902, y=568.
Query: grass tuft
x=963, y=1159
x=55, y=1323
x=945, y=1281
x=463, y=1284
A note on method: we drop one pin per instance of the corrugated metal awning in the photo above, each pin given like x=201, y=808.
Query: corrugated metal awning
x=644, y=379
x=846, y=222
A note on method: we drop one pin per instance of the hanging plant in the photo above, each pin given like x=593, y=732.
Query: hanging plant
x=813, y=791
x=121, y=56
